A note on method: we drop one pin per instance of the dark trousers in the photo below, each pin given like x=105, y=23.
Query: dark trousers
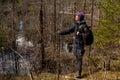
x=79, y=59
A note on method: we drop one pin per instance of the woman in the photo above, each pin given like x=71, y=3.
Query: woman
x=79, y=41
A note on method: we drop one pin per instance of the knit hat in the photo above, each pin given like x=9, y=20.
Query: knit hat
x=80, y=16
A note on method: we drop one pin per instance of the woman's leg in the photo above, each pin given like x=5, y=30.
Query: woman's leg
x=80, y=65
x=79, y=59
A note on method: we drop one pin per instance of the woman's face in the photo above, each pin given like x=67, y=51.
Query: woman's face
x=76, y=18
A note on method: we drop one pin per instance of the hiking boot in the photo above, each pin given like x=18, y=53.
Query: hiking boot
x=79, y=77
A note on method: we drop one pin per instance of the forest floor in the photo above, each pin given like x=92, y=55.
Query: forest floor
x=89, y=73
x=100, y=75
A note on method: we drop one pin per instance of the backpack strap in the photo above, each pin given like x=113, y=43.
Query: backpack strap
x=82, y=29
x=83, y=33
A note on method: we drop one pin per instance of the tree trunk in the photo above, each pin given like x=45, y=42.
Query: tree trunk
x=13, y=37
x=54, y=24
x=92, y=10
x=85, y=7
x=42, y=51
x=106, y=63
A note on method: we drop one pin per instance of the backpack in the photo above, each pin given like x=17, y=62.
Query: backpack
x=87, y=34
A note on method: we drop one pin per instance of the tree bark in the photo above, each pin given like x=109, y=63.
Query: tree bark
x=54, y=24
x=13, y=37
x=85, y=7
x=42, y=51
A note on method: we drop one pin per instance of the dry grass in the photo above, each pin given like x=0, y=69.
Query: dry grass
x=101, y=75
x=89, y=72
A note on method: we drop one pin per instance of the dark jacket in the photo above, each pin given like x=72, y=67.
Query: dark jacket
x=78, y=41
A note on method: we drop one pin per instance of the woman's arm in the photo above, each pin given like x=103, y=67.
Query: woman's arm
x=71, y=30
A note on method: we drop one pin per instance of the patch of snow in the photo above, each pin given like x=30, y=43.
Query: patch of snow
x=22, y=42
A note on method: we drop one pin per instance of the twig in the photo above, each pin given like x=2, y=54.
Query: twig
x=30, y=74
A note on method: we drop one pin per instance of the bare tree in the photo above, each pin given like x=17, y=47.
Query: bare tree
x=13, y=35
x=42, y=34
